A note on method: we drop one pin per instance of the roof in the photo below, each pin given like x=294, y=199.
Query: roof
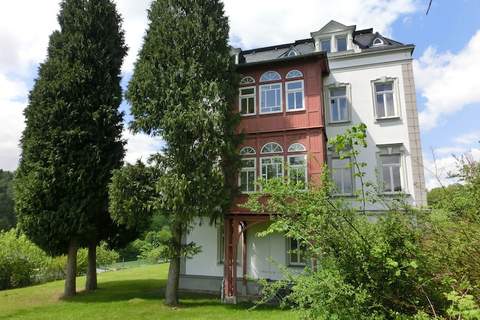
x=363, y=38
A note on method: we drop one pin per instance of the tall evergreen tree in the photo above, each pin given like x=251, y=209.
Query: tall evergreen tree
x=72, y=139
x=182, y=89
x=7, y=213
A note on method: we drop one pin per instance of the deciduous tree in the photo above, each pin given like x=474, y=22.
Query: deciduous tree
x=182, y=89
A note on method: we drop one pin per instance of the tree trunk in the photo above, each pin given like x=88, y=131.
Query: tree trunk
x=71, y=272
x=91, y=283
x=171, y=294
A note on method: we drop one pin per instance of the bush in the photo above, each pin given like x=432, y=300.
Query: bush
x=20, y=260
x=105, y=258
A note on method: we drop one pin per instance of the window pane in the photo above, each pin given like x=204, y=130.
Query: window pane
x=294, y=85
x=251, y=181
x=325, y=45
x=336, y=92
x=243, y=106
x=251, y=105
x=341, y=44
x=391, y=159
x=243, y=181
x=390, y=105
x=247, y=91
x=397, y=184
x=380, y=106
x=248, y=163
x=271, y=98
x=386, y=179
x=291, y=101
x=343, y=109
x=383, y=86
x=299, y=100
x=296, y=160
x=334, y=110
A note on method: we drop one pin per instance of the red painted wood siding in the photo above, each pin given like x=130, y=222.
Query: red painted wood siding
x=285, y=128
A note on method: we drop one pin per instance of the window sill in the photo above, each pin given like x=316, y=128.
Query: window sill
x=395, y=194
x=271, y=112
x=296, y=265
x=296, y=110
x=387, y=119
x=339, y=123
x=248, y=114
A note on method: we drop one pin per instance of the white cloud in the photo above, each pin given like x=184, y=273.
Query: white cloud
x=140, y=146
x=256, y=23
x=468, y=138
x=448, y=81
x=12, y=102
x=438, y=169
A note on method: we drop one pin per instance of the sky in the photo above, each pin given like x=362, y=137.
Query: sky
x=446, y=61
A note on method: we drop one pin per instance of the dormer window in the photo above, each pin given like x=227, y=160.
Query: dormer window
x=378, y=42
x=326, y=45
x=341, y=43
x=291, y=53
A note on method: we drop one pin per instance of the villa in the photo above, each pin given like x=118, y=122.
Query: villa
x=292, y=98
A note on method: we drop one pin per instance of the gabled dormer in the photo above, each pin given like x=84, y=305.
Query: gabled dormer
x=334, y=37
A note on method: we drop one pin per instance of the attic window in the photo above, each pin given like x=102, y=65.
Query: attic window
x=291, y=53
x=378, y=42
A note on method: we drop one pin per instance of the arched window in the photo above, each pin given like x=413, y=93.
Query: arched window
x=270, y=76
x=292, y=53
x=294, y=74
x=297, y=147
x=272, y=147
x=247, y=80
x=378, y=42
x=246, y=151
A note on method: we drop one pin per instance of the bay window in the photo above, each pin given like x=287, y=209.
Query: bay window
x=247, y=177
x=272, y=167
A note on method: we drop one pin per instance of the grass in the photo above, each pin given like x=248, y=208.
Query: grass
x=134, y=293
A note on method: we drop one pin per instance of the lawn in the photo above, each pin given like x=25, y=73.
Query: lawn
x=134, y=293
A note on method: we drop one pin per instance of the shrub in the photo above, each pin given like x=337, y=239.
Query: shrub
x=20, y=260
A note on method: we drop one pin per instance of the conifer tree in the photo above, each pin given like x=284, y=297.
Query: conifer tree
x=72, y=139
x=182, y=90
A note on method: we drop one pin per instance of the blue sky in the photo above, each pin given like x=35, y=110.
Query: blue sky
x=447, y=59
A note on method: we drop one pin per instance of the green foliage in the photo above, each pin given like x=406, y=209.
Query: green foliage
x=22, y=263
x=400, y=264
x=7, y=214
x=19, y=260
x=182, y=89
x=440, y=197
x=72, y=138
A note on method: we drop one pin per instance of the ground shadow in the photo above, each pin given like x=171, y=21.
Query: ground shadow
x=153, y=289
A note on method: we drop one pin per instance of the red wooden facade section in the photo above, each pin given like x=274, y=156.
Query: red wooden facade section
x=285, y=128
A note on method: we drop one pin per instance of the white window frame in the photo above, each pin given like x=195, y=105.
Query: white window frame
x=329, y=39
x=247, y=96
x=329, y=103
x=262, y=151
x=350, y=173
x=249, y=169
x=396, y=108
x=277, y=75
x=294, y=74
x=288, y=91
x=391, y=179
x=271, y=158
x=304, y=156
x=298, y=254
x=379, y=43
x=392, y=150
x=247, y=151
x=247, y=80
x=261, y=97
x=297, y=147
